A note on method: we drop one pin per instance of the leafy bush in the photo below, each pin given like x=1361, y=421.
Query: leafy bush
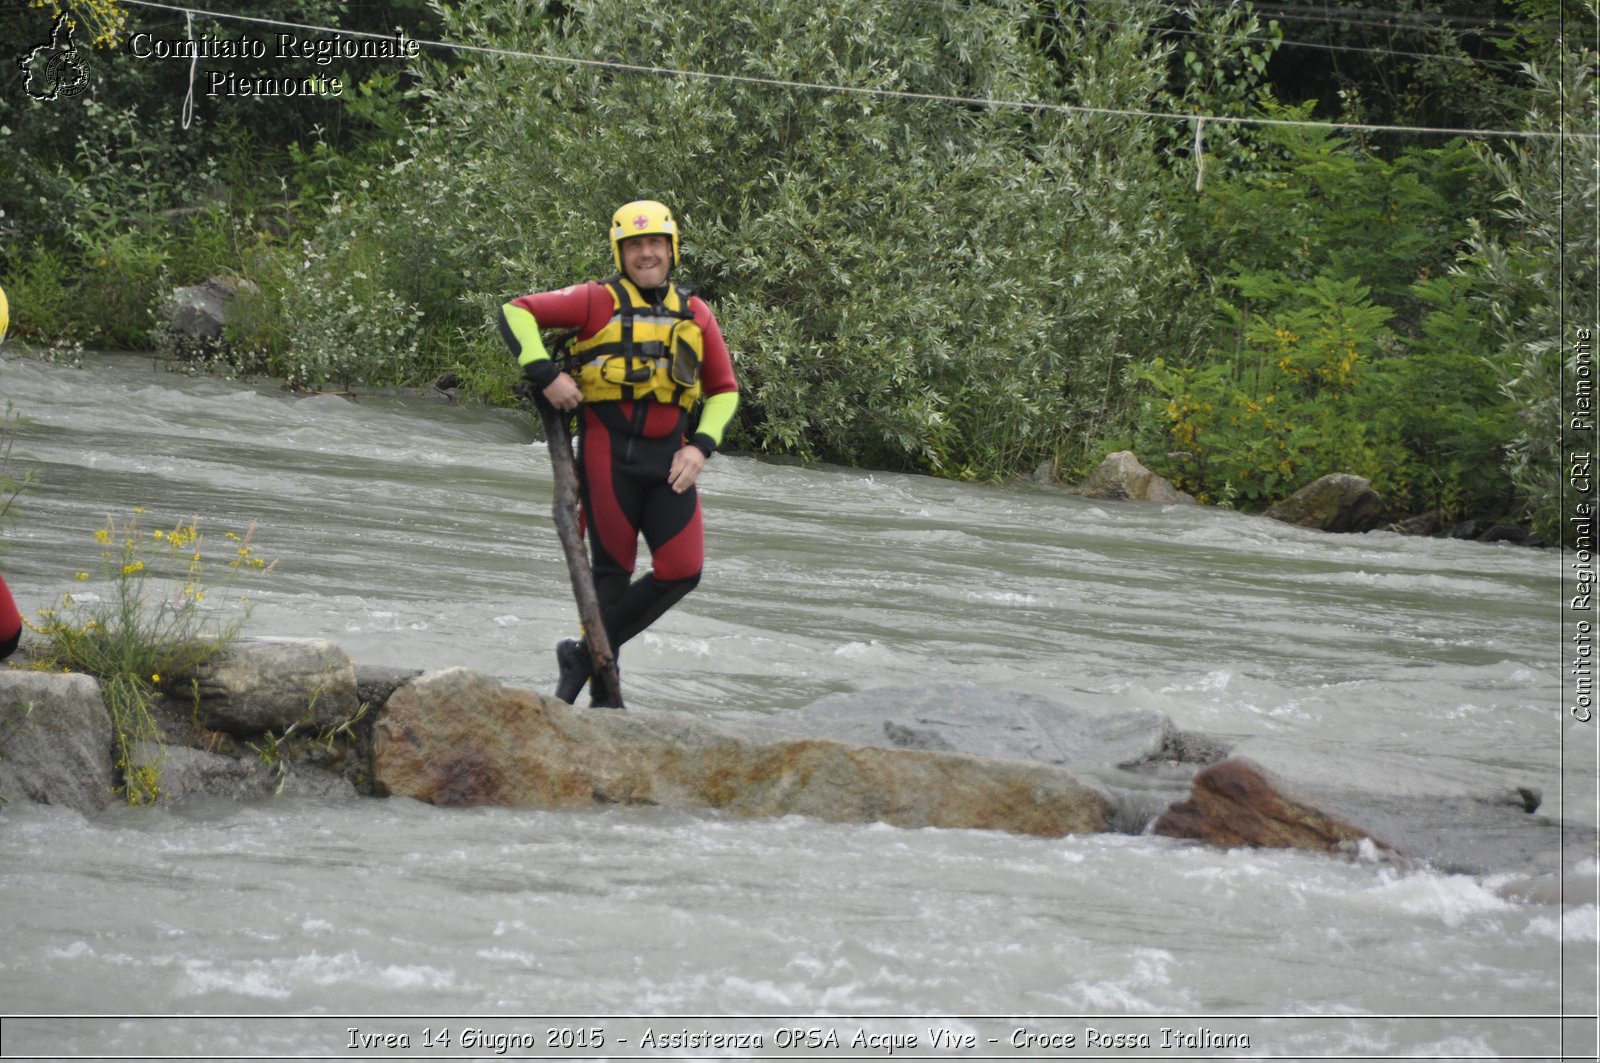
x=1299, y=400
x=1536, y=282
x=343, y=323
x=905, y=283
x=43, y=309
x=1344, y=339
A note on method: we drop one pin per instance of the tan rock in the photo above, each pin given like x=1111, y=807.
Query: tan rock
x=1123, y=476
x=458, y=738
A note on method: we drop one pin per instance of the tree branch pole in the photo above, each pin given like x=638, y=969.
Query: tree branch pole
x=605, y=686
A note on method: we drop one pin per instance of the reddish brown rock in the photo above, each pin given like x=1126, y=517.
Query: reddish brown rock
x=1235, y=804
x=458, y=738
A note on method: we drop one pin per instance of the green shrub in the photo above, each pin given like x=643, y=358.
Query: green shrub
x=1534, y=282
x=1344, y=339
x=904, y=283
x=44, y=309
x=1299, y=399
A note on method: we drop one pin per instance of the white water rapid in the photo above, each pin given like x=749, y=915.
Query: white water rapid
x=417, y=534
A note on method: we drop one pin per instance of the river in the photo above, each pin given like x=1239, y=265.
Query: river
x=417, y=534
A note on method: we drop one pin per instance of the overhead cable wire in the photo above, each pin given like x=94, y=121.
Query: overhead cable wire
x=1034, y=106
x=1282, y=42
x=1288, y=42
x=1482, y=28
x=1370, y=15
x=1311, y=15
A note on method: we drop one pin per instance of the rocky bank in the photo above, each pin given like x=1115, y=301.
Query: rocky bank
x=282, y=716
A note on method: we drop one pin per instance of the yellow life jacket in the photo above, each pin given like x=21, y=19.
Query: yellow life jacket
x=645, y=349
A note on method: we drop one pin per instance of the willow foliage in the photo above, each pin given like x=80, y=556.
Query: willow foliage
x=1536, y=284
x=905, y=282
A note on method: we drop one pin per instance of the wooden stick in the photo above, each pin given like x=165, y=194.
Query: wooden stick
x=606, y=686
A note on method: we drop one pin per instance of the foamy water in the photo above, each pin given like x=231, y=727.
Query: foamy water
x=418, y=535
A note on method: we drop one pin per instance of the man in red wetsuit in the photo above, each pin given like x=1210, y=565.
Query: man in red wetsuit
x=647, y=351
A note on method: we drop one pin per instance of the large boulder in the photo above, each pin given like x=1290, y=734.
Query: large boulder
x=264, y=685
x=1337, y=502
x=1122, y=476
x=196, y=316
x=55, y=740
x=457, y=738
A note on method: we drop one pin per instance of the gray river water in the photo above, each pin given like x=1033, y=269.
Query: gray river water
x=418, y=534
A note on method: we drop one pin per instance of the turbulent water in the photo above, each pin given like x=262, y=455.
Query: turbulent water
x=417, y=534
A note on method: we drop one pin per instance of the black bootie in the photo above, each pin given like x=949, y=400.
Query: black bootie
x=572, y=657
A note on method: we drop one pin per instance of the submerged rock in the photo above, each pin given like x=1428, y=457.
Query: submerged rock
x=457, y=738
x=1137, y=756
x=1482, y=819
x=185, y=773
x=1279, y=793
x=1274, y=792
x=983, y=722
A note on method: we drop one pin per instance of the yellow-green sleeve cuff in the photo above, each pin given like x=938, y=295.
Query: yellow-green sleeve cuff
x=714, y=417
x=521, y=332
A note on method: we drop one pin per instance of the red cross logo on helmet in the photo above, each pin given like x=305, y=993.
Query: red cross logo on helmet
x=640, y=221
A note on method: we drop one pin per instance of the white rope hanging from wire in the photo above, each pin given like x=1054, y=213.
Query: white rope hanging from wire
x=194, y=59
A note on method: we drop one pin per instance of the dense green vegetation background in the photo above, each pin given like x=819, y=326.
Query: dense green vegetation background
x=909, y=278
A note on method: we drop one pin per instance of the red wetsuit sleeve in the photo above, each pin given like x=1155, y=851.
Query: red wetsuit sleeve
x=10, y=622
x=716, y=366
x=585, y=307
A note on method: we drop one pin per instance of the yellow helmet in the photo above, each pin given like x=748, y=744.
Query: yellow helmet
x=642, y=217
